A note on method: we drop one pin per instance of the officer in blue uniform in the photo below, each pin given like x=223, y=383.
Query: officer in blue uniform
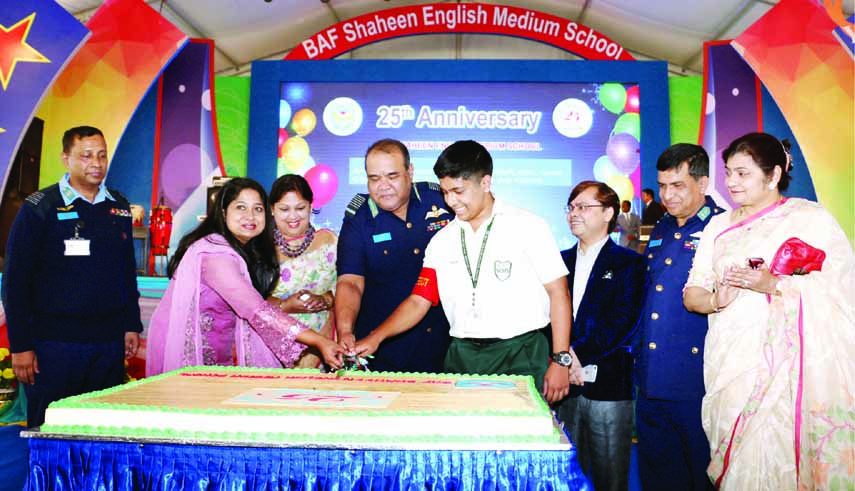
x=673, y=450
x=380, y=252
x=69, y=287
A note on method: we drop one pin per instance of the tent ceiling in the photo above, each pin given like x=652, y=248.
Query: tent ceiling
x=248, y=30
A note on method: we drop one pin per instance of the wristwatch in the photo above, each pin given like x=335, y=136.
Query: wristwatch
x=562, y=358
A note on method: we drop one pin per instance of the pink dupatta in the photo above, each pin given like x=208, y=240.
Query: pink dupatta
x=175, y=337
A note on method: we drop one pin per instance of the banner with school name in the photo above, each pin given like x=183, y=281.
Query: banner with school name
x=455, y=18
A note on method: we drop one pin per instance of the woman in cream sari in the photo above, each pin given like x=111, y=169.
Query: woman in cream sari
x=779, y=409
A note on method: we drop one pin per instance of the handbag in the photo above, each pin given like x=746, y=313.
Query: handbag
x=796, y=257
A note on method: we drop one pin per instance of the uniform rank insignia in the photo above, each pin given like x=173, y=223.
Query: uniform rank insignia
x=35, y=198
x=436, y=225
x=120, y=212
x=435, y=212
x=354, y=205
x=704, y=213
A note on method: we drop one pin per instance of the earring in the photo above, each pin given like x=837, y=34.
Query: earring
x=771, y=186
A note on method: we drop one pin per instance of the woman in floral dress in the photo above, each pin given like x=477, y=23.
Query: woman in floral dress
x=306, y=261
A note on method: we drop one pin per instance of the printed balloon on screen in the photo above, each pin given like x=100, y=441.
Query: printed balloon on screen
x=632, y=101
x=624, y=151
x=612, y=96
x=304, y=122
x=324, y=182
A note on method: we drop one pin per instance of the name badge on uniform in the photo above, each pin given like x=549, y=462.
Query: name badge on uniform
x=386, y=236
x=76, y=247
x=68, y=215
x=655, y=243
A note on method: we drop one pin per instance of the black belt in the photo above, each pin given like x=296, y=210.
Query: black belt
x=482, y=342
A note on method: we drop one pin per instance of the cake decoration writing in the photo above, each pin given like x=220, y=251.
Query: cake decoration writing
x=321, y=377
x=229, y=375
x=315, y=398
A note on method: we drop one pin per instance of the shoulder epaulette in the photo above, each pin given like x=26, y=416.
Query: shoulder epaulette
x=425, y=186
x=41, y=200
x=354, y=205
x=35, y=198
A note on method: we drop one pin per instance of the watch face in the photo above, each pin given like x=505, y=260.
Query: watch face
x=563, y=358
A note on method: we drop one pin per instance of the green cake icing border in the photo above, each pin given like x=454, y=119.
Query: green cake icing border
x=295, y=438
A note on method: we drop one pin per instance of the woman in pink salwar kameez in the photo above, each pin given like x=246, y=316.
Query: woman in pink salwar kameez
x=214, y=311
x=779, y=408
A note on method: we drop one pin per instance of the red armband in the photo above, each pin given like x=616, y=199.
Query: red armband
x=426, y=286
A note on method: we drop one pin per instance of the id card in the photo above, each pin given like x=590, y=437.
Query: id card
x=76, y=247
x=589, y=373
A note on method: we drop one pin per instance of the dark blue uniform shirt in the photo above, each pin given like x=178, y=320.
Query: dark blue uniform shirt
x=670, y=344
x=51, y=296
x=388, y=253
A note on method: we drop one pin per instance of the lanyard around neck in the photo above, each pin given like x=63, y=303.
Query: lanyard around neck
x=474, y=277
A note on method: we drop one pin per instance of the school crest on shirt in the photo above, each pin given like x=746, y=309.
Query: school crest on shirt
x=502, y=269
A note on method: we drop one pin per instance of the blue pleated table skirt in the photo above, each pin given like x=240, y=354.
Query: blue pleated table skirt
x=66, y=464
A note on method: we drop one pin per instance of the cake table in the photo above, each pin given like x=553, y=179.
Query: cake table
x=268, y=441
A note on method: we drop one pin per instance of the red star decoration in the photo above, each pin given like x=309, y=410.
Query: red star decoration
x=14, y=48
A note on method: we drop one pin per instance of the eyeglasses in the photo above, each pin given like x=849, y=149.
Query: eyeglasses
x=581, y=208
